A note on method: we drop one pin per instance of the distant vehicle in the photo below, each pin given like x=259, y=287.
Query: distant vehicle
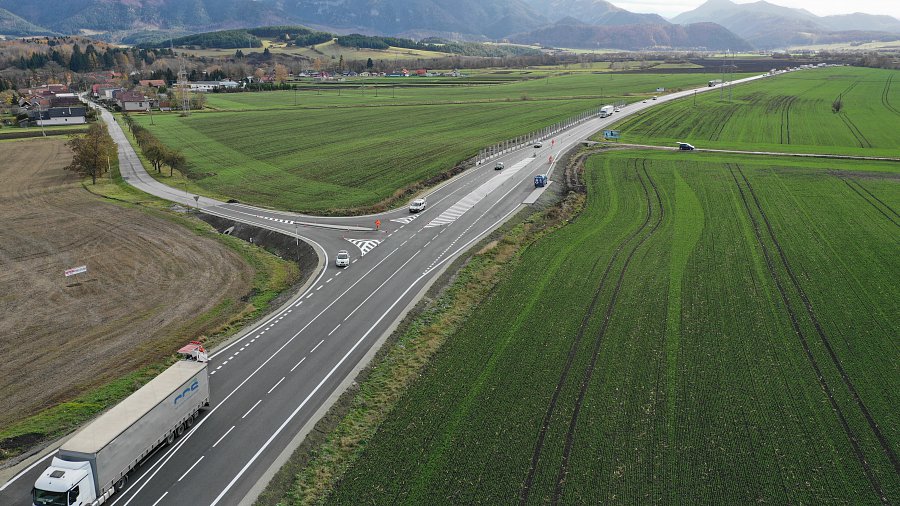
x=417, y=205
x=685, y=146
x=654, y=98
x=645, y=101
x=499, y=166
x=714, y=82
x=540, y=180
x=538, y=144
x=94, y=464
x=342, y=259
x=606, y=110
x=617, y=109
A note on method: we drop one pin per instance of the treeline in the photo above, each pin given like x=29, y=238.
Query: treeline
x=246, y=37
x=356, y=40
x=157, y=153
x=90, y=59
x=293, y=35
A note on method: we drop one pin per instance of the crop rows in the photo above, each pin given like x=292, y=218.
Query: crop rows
x=791, y=112
x=703, y=332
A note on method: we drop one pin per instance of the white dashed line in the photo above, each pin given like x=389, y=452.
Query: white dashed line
x=275, y=386
x=298, y=364
x=329, y=280
x=251, y=409
x=160, y=498
x=319, y=287
x=316, y=346
x=223, y=436
x=190, y=468
x=334, y=329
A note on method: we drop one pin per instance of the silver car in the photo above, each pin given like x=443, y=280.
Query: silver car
x=342, y=259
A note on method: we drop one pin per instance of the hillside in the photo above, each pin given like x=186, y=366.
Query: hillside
x=10, y=24
x=767, y=25
x=593, y=12
x=573, y=34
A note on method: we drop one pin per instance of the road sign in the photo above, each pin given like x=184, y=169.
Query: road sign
x=611, y=134
x=76, y=270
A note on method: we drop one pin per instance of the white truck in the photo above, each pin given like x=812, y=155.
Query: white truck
x=94, y=464
x=607, y=110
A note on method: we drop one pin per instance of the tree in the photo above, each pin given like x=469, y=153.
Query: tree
x=837, y=105
x=281, y=73
x=92, y=152
x=238, y=54
x=370, y=64
x=176, y=161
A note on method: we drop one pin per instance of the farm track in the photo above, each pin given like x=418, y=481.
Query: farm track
x=876, y=485
x=885, y=96
x=869, y=200
x=576, y=343
x=589, y=372
x=786, y=121
x=860, y=138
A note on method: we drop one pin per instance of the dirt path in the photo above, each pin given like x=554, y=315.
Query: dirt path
x=147, y=279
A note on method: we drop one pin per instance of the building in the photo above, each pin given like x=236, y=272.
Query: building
x=132, y=101
x=59, y=116
x=206, y=86
x=152, y=83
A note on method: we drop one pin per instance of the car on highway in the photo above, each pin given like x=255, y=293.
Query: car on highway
x=654, y=98
x=417, y=205
x=618, y=109
x=538, y=144
x=685, y=146
x=342, y=259
x=499, y=166
x=645, y=101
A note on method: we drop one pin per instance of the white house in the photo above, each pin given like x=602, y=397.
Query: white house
x=59, y=116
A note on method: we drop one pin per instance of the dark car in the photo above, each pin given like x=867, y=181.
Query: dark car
x=685, y=146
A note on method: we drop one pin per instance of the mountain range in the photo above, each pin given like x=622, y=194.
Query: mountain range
x=766, y=25
x=717, y=24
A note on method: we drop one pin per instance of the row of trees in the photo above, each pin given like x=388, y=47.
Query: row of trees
x=157, y=153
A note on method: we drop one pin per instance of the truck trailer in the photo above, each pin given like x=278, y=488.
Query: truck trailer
x=95, y=463
x=607, y=110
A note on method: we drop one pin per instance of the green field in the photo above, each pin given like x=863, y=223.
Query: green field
x=711, y=329
x=352, y=150
x=790, y=112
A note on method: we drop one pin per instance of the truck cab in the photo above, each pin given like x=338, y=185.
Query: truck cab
x=64, y=483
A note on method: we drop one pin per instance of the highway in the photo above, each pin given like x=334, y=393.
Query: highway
x=270, y=385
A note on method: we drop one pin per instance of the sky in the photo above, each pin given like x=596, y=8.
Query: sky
x=669, y=8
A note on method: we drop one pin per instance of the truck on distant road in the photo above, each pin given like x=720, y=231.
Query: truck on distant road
x=95, y=463
x=607, y=110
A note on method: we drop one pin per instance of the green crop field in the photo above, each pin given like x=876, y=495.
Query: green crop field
x=790, y=112
x=349, y=149
x=712, y=329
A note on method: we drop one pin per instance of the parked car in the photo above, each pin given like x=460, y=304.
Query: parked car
x=685, y=146
x=342, y=259
x=499, y=166
x=417, y=205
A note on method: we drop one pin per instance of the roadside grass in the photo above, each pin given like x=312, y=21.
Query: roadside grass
x=309, y=475
x=790, y=112
x=325, y=159
x=272, y=277
x=717, y=361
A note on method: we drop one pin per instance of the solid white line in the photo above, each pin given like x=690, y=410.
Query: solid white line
x=25, y=471
x=223, y=436
x=298, y=364
x=316, y=346
x=276, y=385
x=161, y=498
x=381, y=285
x=190, y=469
x=251, y=409
x=332, y=331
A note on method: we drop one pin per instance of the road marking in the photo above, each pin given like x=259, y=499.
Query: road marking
x=316, y=346
x=338, y=274
x=276, y=385
x=190, y=469
x=310, y=295
x=381, y=285
x=223, y=436
x=329, y=280
x=389, y=235
x=217, y=368
x=426, y=244
x=298, y=364
x=404, y=242
x=364, y=245
x=354, y=260
x=251, y=409
x=406, y=219
x=161, y=498
x=332, y=330
x=298, y=304
x=319, y=287
x=476, y=196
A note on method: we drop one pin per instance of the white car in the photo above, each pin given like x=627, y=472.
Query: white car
x=342, y=259
x=417, y=205
x=538, y=144
x=499, y=166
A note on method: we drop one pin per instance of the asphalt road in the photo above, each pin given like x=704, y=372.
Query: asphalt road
x=271, y=385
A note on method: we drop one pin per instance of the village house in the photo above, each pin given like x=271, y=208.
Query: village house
x=58, y=116
x=132, y=101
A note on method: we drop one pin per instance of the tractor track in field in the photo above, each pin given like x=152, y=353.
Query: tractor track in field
x=786, y=120
x=720, y=125
x=885, y=96
x=869, y=200
x=589, y=372
x=576, y=344
x=823, y=383
x=860, y=138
